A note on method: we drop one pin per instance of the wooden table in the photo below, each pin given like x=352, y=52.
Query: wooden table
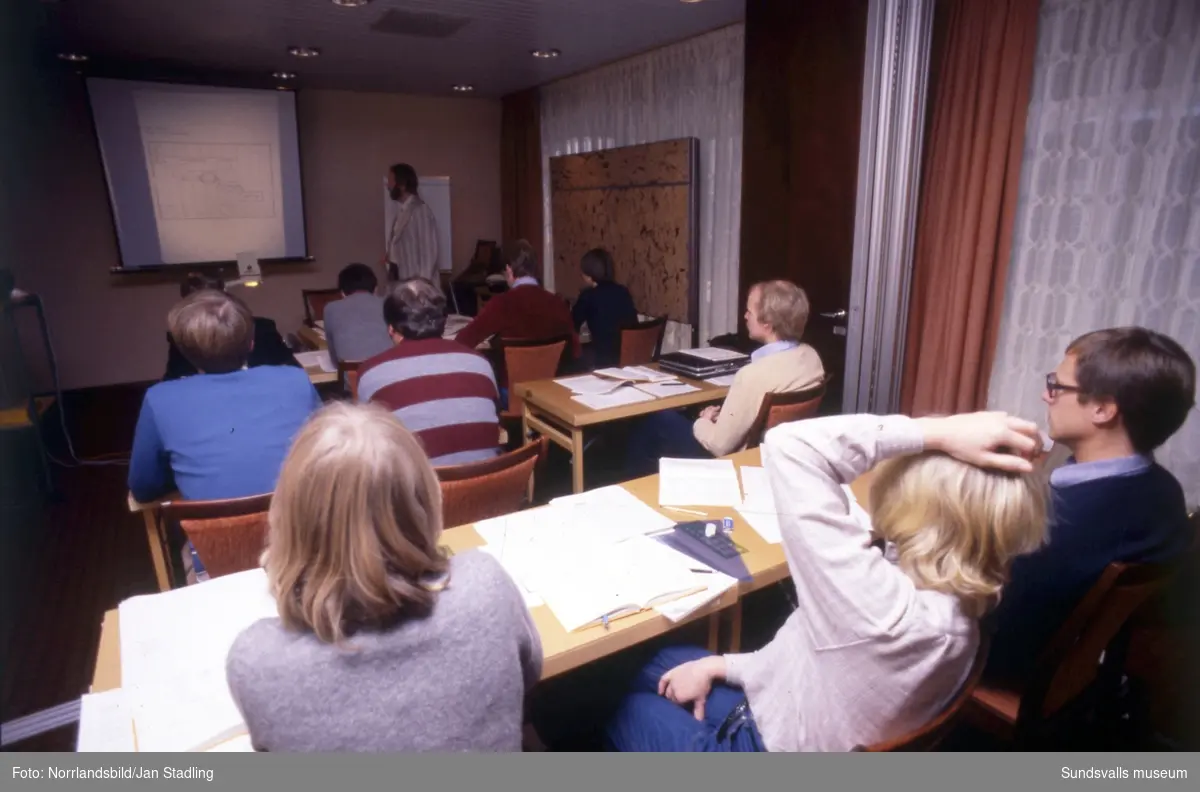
x=549, y=410
x=562, y=650
x=155, y=537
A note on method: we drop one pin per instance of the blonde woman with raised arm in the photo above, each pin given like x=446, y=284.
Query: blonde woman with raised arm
x=382, y=643
x=889, y=605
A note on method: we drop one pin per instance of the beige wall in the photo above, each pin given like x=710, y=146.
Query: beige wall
x=110, y=328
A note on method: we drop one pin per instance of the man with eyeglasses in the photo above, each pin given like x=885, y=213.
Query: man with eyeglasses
x=1117, y=395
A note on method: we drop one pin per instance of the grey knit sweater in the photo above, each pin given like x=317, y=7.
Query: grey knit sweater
x=454, y=681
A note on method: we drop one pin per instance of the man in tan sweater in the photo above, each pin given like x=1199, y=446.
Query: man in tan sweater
x=776, y=314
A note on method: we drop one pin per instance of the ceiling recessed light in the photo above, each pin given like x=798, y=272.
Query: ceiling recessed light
x=73, y=57
x=545, y=54
x=691, y=1
x=304, y=52
x=464, y=88
x=284, y=75
x=350, y=3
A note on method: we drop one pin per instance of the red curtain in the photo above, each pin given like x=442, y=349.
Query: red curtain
x=972, y=171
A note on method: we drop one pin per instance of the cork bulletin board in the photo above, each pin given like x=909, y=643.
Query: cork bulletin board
x=642, y=204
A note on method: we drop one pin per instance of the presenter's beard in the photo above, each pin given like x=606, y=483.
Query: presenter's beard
x=396, y=194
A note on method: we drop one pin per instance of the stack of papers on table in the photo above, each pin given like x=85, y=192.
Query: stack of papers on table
x=319, y=358
x=619, y=398
x=759, y=508
x=591, y=556
x=633, y=374
x=698, y=482
x=723, y=381
x=583, y=584
x=173, y=650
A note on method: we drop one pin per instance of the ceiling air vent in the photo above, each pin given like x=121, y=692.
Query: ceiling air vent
x=420, y=25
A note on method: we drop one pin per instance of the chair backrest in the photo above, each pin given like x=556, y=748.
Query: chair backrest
x=930, y=735
x=315, y=301
x=527, y=360
x=642, y=343
x=171, y=515
x=348, y=376
x=780, y=408
x=228, y=544
x=479, y=490
x=1071, y=661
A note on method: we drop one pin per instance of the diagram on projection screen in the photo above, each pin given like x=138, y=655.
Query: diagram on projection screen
x=195, y=181
x=213, y=167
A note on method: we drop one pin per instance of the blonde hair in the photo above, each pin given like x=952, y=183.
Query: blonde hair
x=213, y=330
x=782, y=306
x=957, y=527
x=354, y=525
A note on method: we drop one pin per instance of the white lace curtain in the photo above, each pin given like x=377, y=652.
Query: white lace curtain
x=1107, y=231
x=689, y=89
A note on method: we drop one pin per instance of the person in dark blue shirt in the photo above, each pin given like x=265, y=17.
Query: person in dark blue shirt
x=605, y=305
x=1117, y=395
x=269, y=347
x=222, y=433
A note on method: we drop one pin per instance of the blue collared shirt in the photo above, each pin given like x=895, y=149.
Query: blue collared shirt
x=766, y=350
x=525, y=280
x=1079, y=472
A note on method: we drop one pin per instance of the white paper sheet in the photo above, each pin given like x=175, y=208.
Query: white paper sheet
x=581, y=584
x=319, y=357
x=532, y=600
x=619, y=398
x=633, y=374
x=723, y=381
x=616, y=502
x=764, y=523
x=663, y=389
x=105, y=723
x=589, y=384
x=698, y=482
x=715, y=583
x=173, y=650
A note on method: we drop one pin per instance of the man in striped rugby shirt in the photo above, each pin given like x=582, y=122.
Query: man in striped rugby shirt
x=440, y=390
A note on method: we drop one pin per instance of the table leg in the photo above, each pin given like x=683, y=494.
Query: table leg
x=735, y=627
x=158, y=553
x=577, y=460
x=714, y=633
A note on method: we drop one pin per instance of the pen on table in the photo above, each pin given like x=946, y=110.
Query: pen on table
x=702, y=571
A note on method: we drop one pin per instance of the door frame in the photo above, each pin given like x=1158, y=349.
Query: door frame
x=895, y=77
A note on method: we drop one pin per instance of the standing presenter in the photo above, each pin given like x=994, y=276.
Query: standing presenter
x=412, y=241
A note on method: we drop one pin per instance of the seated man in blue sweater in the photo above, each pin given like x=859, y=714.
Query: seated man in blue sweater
x=1117, y=396
x=224, y=432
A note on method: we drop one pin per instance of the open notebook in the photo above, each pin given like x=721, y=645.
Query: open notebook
x=173, y=650
x=587, y=584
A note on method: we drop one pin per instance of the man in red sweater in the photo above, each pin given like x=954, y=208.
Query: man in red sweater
x=525, y=311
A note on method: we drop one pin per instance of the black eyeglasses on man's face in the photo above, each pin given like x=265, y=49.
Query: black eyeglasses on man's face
x=1053, y=386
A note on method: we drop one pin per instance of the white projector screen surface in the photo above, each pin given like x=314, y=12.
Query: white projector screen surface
x=198, y=174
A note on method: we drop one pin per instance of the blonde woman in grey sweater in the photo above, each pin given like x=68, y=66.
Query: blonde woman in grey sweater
x=382, y=642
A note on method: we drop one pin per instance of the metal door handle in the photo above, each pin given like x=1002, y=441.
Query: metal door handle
x=835, y=314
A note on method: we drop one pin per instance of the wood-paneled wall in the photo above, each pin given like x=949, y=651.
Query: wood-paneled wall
x=803, y=101
x=640, y=203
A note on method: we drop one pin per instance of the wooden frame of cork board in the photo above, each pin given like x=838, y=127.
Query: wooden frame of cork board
x=642, y=204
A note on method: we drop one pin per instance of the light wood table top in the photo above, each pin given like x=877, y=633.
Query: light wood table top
x=564, y=650
x=549, y=397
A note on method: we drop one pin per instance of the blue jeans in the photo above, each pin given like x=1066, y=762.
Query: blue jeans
x=648, y=722
x=661, y=434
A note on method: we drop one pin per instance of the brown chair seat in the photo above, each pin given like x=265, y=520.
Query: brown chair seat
x=781, y=408
x=234, y=544
x=1071, y=664
x=641, y=343
x=489, y=488
x=529, y=360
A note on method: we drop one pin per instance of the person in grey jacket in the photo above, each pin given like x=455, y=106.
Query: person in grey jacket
x=382, y=643
x=354, y=325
